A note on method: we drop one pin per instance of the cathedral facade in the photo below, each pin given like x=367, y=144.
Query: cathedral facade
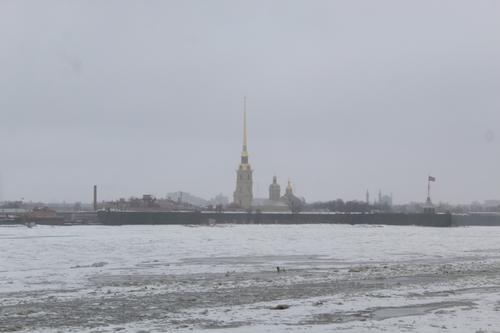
x=243, y=194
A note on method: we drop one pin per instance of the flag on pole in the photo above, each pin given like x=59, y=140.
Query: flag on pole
x=432, y=179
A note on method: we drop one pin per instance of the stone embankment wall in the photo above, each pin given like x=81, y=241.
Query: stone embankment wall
x=476, y=219
x=201, y=218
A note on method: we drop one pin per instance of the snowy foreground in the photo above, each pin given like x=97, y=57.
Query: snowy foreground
x=224, y=279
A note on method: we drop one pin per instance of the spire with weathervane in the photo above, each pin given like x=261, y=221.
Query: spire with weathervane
x=244, y=152
x=243, y=195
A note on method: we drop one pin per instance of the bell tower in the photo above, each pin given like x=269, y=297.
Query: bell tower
x=274, y=190
x=243, y=195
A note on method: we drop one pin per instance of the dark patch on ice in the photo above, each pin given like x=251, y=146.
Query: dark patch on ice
x=460, y=291
x=94, y=265
x=33, y=237
x=207, y=323
x=99, y=264
x=382, y=313
x=249, y=260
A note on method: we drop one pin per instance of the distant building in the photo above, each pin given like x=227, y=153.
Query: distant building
x=276, y=203
x=384, y=200
x=148, y=203
x=42, y=213
x=294, y=203
x=274, y=190
x=219, y=199
x=184, y=197
x=243, y=194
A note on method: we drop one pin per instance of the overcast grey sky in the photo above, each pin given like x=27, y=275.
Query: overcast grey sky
x=343, y=96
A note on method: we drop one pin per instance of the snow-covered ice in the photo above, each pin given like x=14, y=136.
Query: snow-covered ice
x=224, y=279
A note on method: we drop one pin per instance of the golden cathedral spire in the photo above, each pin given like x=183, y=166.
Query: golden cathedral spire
x=243, y=195
x=244, y=153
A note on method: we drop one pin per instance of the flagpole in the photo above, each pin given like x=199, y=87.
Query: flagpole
x=428, y=187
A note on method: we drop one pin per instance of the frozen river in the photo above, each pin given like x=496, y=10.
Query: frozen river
x=224, y=279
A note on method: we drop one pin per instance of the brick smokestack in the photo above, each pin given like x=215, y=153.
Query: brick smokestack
x=95, y=197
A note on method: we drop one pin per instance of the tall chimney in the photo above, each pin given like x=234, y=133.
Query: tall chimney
x=95, y=197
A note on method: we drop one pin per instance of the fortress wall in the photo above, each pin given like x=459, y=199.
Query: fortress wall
x=476, y=219
x=201, y=218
